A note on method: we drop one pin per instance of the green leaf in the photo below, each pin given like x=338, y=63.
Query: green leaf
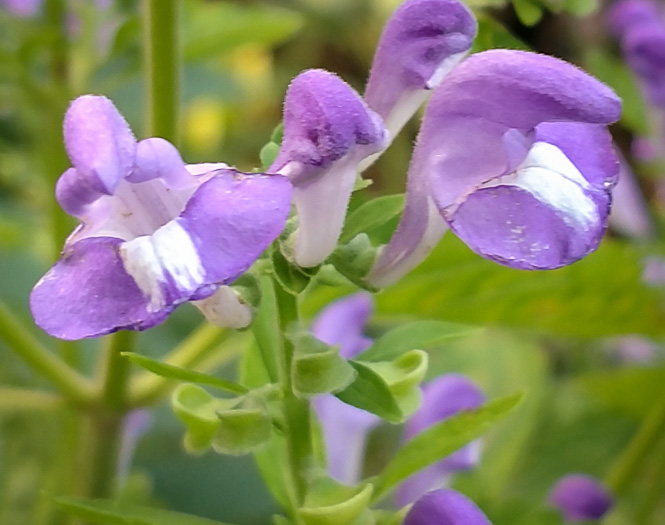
x=528, y=11
x=241, y=430
x=183, y=374
x=211, y=29
x=601, y=295
x=355, y=259
x=106, y=512
x=318, y=368
x=372, y=214
x=328, y=502
x=440, y=440
x=370, y=392
x=631, y=391
x=268, y=154
x=416, y=335
x=492, y=34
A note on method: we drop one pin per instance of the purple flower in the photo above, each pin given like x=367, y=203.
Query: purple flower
x=22, y=8
x=328, y=131
x=640, y=27
x=154, y=233
x=445, y=507
x=514, y=156
x=345, y=427
x=444, y=397
x=421, y=43
x=580, y=497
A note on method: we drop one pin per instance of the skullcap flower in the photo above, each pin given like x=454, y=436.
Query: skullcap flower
x=514, y=156
x=580, y=498
x=626, y=14
x=445, y=507
x=445, y=396
x=328, y=131
x=420, y=44
x=154, y=233
x=22, y=8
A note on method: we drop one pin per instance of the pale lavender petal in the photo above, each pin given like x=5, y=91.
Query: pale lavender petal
x=23, y=8
x=158, y=158
x=343, y=323
x=443, y=397
x=225, y=308
x=345, y=430
x=630, y=214
x=89, y=293
x=445, y=507
x=495, y=156
x=99, y=142
x=421, y=43
x=328, y=131
x=580, y=498
x=74, y=192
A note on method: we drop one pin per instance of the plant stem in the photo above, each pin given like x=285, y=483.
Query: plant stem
x=106, y=420
x=628, y=464
x=162, y=62
x=296, y=411
x=74, y=387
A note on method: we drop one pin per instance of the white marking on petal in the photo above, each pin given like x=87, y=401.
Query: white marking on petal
x=224, y=308
x=550, y=176
x=444, y=68
x=169, y=252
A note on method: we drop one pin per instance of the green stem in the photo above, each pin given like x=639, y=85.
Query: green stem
x=23, y=399
x=106, y=420
x=296, y=411
x=629, y=463
x=74, y=387
x=162, y=62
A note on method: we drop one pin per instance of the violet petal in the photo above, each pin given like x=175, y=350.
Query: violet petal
x=420, y=44
x=445, y=507
x=580, y=497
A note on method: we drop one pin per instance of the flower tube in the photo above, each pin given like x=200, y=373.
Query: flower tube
x=580, y=498
x=514, y=156
x=154, y=233
x=328, y=131
x=447, y=507
x=419, y=46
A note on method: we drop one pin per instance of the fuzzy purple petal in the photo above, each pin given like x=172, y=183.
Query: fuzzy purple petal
x=99, y=142
x=514, y=154
x=444, y=397
x=328, y=131
x=445, y=507
x=580, y=498
x=343, y=323
x=89, y=293
x=422, y=41
x=158, y=158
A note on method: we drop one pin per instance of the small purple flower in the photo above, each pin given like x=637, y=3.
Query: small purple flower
x=640, y=27
x=22, y=8
x=154, y=233
x=445, y=507
x=444, y=397
x=345, y=427
x=328, y=131
x=580, y=498
x=514, y=156
x=420, y=44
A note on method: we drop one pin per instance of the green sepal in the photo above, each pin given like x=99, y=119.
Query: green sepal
x=291, y=277
x=198, y=410
x=318, y=368
x=386, y=517
x=388, y=389
x=241, y=430
x=248, y=289
x=277, y=133
x=354, y=260
x=268, y=154
x=328, y=502
x=403, y=376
